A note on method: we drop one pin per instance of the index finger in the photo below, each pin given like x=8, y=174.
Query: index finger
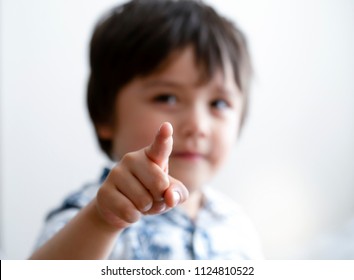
x=160, y=150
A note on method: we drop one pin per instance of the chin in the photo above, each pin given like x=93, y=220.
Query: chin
x=193, y=176
x=192, y=181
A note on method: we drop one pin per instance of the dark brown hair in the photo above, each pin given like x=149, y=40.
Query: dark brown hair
x=135, y=38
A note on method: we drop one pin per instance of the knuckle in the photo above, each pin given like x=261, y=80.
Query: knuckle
x=128, y=159
x=118, y=176
x=102, y=195
x=144, y=203
x=115, y=172
x=130, y=215
x=159, y=181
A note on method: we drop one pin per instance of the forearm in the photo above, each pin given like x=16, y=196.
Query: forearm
x=86, y=236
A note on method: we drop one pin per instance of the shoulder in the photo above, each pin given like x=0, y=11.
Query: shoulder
x=61, y=215
x=76, y=200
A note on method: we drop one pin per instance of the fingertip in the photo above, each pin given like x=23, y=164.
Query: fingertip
x=176, y=197
x=175, y=194
x=165, y=130
x=147, y=207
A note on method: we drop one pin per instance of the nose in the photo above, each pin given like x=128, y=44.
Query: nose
x=195, y=122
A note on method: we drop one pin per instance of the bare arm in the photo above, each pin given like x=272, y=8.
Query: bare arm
x=86, y=236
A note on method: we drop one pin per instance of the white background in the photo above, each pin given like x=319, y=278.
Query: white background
x=292, y=169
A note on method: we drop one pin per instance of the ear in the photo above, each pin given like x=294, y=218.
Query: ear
x=105, y=131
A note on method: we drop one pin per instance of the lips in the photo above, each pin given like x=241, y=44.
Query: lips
x=187, y=155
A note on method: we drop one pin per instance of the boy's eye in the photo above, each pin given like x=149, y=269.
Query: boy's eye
x=220, y=104
x=165, y=98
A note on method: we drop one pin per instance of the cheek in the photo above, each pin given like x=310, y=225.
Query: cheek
x=224, y=141
x=133, y=136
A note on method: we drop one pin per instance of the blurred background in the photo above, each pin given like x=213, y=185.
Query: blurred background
x=292, y=169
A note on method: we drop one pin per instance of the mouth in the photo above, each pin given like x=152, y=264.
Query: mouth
x=190, y=156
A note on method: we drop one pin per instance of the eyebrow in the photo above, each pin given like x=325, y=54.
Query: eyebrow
x=163, y=83
x=174, y=84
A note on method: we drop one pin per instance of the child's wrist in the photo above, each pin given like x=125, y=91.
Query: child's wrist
x=103, y=223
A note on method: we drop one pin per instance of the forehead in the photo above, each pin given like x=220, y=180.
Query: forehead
x=181, y=68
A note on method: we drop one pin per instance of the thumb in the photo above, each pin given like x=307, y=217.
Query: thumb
x=177, y=193
x=160, y=150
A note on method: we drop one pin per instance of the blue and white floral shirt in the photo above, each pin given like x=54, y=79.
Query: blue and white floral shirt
x=220, y=231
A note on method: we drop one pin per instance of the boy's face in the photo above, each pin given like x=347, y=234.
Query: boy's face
x=205, y=117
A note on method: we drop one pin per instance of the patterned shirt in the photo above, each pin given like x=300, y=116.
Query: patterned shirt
x=220, y=231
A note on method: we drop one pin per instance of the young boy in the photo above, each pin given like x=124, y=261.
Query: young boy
x=167, y=95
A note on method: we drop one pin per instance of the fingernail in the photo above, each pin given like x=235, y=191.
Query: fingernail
x=147, y=207
x=161, y=208
x=176, y=197
x=160, y=199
